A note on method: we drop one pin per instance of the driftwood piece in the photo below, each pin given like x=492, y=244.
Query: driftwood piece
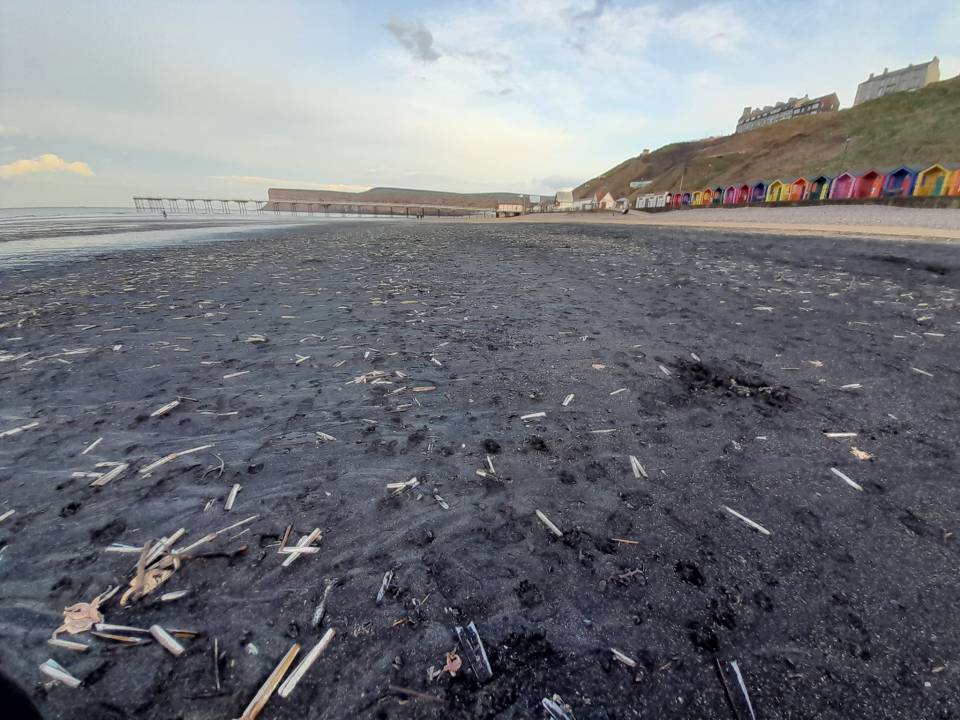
x=92, y=445
x=748, y=521
x=266, y=690
x=171, y=457
x=17, y=430
x=298, y=672
x=549, y=523
x=301, y=543
x=846, y=479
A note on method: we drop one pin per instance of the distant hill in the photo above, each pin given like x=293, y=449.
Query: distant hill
x=908, y=128
x=394, y=195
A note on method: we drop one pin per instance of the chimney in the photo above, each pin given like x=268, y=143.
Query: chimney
x=886, y=70
x=871, y=76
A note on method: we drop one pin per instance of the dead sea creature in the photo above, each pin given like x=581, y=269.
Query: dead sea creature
x=476, y=654
x=81, y=617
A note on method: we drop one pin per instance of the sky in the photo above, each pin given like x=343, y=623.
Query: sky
x=101, y=101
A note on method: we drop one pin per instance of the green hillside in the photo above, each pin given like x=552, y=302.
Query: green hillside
x=921, y=127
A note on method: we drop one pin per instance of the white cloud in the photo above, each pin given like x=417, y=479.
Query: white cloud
x=47, y=163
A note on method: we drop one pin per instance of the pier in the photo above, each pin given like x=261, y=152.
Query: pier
x=216, y=206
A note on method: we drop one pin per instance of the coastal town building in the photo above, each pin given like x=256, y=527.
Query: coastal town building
x=912, y=77
x=564, y=200
x=509, y=209
x=753, y=118
x=606, y=201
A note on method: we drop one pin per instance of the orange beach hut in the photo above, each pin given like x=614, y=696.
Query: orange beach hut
x=798, y=189
x=953, y=187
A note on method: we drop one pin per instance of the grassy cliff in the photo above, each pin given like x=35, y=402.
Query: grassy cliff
x=921, y=127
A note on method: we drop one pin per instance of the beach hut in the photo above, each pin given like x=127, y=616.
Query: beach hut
x=697, y=197
x=900, y=182
x=743, y=194
x=953, y=187
x=842, y=186
x=730, y=195
x=706, y=197
x=932, y=181
x=773, y=191
x=686, y=199
x=868, y=184
x=759, y=192
x=819, y=188
x=797, y=190
x=677, y=200
x=717, y=195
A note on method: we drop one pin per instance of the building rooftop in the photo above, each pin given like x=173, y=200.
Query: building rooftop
x=888, y=72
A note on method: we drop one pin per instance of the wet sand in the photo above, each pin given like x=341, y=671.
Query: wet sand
x=719, y=361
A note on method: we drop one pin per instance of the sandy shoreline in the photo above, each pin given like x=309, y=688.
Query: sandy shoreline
x=458, y=331
x=854, y=221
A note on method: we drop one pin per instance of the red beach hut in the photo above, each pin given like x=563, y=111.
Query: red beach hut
x=868, y=185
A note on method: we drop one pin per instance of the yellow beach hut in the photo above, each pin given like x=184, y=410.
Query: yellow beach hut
x=775, y=190
x=932, y=182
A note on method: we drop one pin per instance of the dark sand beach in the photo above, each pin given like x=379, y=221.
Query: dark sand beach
x=719, y=361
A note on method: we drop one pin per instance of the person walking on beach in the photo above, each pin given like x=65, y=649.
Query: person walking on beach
x=164, y=214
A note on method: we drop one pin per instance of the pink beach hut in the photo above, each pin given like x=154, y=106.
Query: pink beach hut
x=730, y=195
x=842, y=186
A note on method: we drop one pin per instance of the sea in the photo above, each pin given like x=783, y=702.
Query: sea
x=31, y=236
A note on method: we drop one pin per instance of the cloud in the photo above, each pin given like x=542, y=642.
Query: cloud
x=44, y=164
x=282, y=182
x=415, y=38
